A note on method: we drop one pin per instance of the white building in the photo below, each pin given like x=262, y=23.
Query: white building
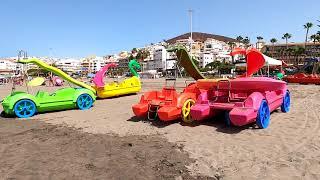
x=218, y=49
x=206, y=58
x=9, y=67
x=162, y=59
x=159, y=58
x=171, y=60
x=8, y=64
x=213, y=45
x=111, y=58
x=69, y=65
x=92, y=64
x=224, y=56
x=98, y=63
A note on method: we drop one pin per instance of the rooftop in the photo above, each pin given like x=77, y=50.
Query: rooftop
x=294, y=44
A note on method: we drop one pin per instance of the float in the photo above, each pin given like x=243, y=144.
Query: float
x=308, y=74
x=245, y=99
x=168, y=104
x=24, y=104
x=128, y=86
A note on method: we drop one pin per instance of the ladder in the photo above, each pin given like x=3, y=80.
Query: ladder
x=152, y=112
x=224, y=89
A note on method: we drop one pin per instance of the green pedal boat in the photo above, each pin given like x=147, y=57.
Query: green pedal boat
x=24, y=105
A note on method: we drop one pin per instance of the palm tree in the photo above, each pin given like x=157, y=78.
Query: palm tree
x=298, y=51
x=231, y=45
x=286, y=36
x=273, y=41
x=307, y=26
x=259, y=38
x=239, y=39
x=313, y=38
x=142, y=54
x=318, y=37
x=246, y=42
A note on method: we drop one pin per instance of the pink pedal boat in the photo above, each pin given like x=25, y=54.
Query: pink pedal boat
x=244, y=100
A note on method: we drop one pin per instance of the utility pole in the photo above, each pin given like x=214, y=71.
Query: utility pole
x=191, y=40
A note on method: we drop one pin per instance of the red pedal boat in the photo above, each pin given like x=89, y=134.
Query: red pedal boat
x=167, y=104
x=303, y=78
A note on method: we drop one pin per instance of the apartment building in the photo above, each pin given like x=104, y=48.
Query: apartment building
x=162, y=59
x=205, y=59
x=92, y=64
x=293, y=53
x=70, y=65
x=9, y=67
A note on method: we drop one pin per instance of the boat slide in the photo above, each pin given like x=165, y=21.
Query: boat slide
x=187, y=63
x=58, y=72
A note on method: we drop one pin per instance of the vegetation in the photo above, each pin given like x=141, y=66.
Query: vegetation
x=222, y=67
x=286, y=36
x=231, y=45
x=259, y=38
x=297, y=52
x=140, y=54
x=239, y=39
x=307, y=26
x=246, y=41
x=273, y=41
x=313, y=38
x=213, y=65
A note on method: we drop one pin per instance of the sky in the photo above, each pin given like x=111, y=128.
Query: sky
x=79, y=28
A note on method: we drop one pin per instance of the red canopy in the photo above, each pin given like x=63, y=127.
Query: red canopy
x=255, y=59
x=237, y=50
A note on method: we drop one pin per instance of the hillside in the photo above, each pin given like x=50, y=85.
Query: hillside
x=198, y=36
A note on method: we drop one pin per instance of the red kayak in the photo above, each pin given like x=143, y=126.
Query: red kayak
x=303, y=78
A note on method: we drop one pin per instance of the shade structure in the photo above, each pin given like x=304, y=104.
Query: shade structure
x=255, y=60
x=271, y=61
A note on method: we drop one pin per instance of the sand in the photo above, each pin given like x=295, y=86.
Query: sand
x=288, y=149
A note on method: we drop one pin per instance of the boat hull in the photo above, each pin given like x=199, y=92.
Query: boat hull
x=128, y=86
x=302, y=78
x=166, y=104
x=260, y=84
x=240, y=99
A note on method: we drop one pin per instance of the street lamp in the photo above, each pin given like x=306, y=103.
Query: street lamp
x=191, y=41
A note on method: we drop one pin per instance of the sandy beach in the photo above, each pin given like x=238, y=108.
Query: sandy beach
x=77, y=144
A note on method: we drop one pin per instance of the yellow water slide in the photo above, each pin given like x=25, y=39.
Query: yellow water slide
x=58, y=72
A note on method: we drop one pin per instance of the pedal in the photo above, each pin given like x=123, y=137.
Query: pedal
x=152, y=110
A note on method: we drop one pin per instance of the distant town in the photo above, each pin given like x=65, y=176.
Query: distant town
x=205, y=49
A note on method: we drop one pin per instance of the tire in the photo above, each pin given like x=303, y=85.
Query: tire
x=186, y=110
x=285, y=107
x=84, y=101
x=263, y=117
x=227, y=118
x=24, y=108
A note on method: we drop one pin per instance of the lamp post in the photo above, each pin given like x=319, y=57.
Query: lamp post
x=191, y=41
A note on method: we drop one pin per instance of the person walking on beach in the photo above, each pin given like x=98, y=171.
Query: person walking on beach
x=50, y=80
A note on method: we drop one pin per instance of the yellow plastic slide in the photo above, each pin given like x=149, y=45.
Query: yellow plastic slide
x=58, y=72
x=36, y=81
